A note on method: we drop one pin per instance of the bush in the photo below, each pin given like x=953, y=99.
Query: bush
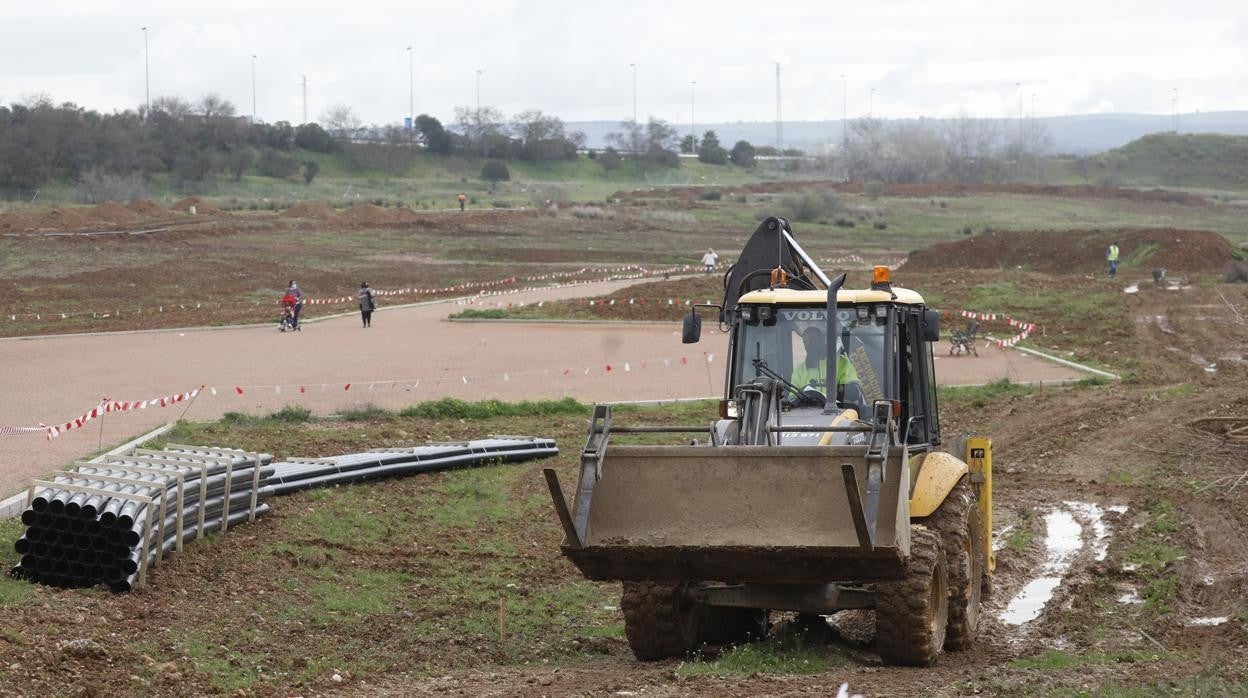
x=873, y=189
x=711, y=195
x=592, y=212
x=967, y=230
x=367, y=413
x=810, y=205
x=292, y=413
x=843, y=223
x=276, y=164
x=96, y=186
x=880, y=225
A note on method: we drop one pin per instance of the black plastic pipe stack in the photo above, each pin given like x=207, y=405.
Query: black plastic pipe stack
x=80, y=539
x=76, y=539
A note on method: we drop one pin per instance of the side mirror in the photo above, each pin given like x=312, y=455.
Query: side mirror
x=692, y=330
x=930, y=326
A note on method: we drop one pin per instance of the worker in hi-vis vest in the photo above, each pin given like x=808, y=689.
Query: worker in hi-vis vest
x=1112, y=257
x=813, y=370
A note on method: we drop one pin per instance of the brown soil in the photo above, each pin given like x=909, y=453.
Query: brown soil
x=202, y=206
x=1077, y=251
x=368, y=214
x=146, y=207
x=313, y=211
x=113, y=213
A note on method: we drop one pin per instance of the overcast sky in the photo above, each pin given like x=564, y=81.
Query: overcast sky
x=571, y=57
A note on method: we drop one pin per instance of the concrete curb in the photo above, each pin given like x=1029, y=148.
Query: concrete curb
x=1071, y=364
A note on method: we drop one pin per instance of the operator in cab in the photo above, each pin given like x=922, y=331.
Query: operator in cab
x=812, y=371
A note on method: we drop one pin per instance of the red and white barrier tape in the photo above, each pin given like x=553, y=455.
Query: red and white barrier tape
x=1026, y=327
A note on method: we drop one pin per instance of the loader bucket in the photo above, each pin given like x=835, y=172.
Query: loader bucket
x=739, y=513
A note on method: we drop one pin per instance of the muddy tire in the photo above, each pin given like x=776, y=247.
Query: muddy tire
x=957, y=521
x=659, y=622
x=912, y=613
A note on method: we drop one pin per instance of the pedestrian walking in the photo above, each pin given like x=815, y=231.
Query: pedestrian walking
x=708, y=260
x=1112, y=257
x=368, y=303
x=461, y=198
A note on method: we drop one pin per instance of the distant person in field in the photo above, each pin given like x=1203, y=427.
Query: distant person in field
x=1112, y=257
x=292, y=290
x=708, y=260
x=368, y=303
x=461, y=198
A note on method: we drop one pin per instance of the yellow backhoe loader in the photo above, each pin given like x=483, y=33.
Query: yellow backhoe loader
x=816, y=491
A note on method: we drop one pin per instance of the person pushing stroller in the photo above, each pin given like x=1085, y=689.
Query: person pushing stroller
x=292, y=303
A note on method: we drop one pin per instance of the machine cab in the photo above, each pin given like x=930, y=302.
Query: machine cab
x=883, y=351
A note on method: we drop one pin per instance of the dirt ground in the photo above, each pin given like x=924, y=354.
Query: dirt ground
x=1155, y=488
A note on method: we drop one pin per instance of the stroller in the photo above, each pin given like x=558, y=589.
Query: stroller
x=288, y=319
x=964, y=340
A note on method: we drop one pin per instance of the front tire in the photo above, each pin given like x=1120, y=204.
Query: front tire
x=658, y=621
x=912, y=613
x=958, y=523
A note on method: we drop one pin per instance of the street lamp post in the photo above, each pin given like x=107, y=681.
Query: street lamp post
x=411, y=90
x=693, y=119
x=871, y=104
x=147, y=74
x=634, y=67
x=845, y=123
x=479, y=94
x=253, y=88
x=1174, y=107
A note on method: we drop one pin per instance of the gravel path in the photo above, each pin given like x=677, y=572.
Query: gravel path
x=411, y=354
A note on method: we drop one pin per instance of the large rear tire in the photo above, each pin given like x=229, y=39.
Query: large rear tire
x=957, y=521
x=659, y=622
x=912, y=613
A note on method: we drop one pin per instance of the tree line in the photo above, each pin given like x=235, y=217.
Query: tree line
x=42, y=142
x=962, y=150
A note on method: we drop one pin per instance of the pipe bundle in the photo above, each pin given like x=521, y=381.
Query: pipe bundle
x=105, y=523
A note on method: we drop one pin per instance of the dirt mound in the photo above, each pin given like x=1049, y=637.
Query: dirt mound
x=1078, y=251
x=145, y=207
x=111, y=213
x=314, y=211
x=368, y=213
x=201, y=205
x=59, y=218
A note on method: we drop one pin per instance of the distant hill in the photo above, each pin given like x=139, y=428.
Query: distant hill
x=1176, y=160
x=1079, y=134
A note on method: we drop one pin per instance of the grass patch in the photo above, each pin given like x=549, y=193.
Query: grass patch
x=475, y=314
x=1175, y=391
x=1022, y=535
x=1154, y=551
x=293, y=414
x=982, y=395
x=367, y=413
x=1056, y=659
x=452, y=408
x=13, y=592
x=785, y=653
